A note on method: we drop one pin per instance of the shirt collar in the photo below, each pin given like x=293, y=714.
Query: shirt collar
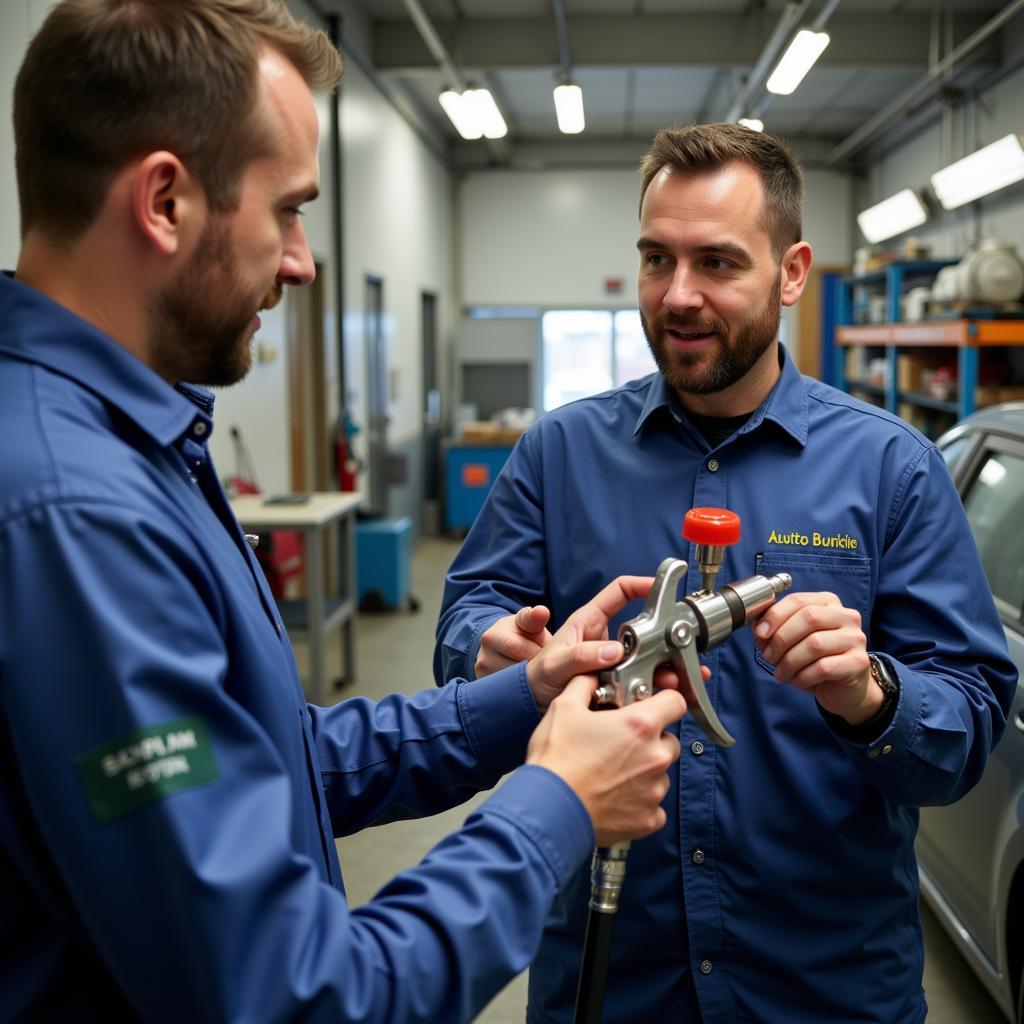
x=36, y=329
x=785, y=405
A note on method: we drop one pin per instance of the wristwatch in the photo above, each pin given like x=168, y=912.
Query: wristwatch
x=883, y=674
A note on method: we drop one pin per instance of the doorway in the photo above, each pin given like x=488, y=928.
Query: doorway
x=307, y=397
x=431, y=416
x=376, y=397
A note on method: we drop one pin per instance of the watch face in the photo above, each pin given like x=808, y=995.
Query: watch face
x=884, y=678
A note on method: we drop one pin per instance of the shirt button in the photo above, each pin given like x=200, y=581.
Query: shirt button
x=887, y=749
x=705, y=967
x=698, y=857
x=713, y=465
x=696, y=748
x=198, y=428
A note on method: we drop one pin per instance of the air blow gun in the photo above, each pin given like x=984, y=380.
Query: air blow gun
x=667, y=632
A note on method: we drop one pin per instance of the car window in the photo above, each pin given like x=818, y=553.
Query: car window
x=994, y=501
x=954, y=451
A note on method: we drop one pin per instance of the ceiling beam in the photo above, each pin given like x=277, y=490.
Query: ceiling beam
x=659, y=40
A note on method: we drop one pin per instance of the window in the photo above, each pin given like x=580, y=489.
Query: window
x=953, y=452
x=993, y=503
x=586, y=352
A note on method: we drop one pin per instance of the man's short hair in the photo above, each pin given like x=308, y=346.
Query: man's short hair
x=105, y=81
x=699, y=148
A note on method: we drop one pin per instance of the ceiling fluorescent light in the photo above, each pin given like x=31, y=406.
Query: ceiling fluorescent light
x=806, y=48
x=755, y=124
x=488, y=115
x=892, y=216
x=569, y=109
x=991, y=168
x=463, y=115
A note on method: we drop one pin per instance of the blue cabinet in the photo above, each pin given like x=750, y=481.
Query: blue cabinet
x=383, y=560
x=469, y=472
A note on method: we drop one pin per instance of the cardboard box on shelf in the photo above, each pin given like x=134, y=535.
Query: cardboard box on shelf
x=489, y=432
x=855, y=363
x=912, y=369
x=987, y=394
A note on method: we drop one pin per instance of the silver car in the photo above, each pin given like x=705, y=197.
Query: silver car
x=971, y=853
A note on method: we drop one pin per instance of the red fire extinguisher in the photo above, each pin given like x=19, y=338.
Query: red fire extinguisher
x=347, y=463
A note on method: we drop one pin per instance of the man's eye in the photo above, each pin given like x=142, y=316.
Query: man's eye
x=654, y=259
x=717, y=263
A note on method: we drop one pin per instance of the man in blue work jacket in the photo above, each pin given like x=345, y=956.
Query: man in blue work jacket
x=784, y=888
x=168, y=802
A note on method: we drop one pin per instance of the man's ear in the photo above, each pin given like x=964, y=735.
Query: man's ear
x=796, y=264
x=167, y=201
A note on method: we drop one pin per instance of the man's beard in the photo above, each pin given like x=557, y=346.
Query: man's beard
x=201, y=322
x=704, y=373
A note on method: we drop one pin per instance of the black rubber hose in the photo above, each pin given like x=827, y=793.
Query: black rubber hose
x=594, y=968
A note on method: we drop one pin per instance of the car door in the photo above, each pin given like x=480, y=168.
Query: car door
x=963, y=847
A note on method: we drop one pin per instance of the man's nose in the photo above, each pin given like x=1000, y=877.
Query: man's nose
x=297, y=266
x=683, y=291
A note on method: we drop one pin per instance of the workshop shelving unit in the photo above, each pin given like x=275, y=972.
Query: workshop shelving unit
x=905, y=345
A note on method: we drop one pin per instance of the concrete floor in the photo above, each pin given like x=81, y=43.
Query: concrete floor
x=394, y=652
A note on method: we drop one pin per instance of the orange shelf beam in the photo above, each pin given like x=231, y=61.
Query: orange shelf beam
x=958, y=333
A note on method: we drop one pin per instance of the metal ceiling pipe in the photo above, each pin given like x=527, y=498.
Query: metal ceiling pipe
x=791, y=15
x=434, y=44
x=874, y=125
x=563, y=37
x=824, y=14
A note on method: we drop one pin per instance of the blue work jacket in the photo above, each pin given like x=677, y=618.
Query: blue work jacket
x=168, y=801
x=784, y=887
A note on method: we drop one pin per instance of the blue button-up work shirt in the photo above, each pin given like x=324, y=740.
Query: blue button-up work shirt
x=784, y=886
x=168, y=801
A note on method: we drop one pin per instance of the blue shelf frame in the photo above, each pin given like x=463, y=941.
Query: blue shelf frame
x=894, y=278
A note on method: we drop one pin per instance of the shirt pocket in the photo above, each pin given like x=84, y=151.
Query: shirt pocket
x=846, y=576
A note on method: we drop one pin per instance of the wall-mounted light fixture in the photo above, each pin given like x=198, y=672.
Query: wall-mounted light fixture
x=806, y=47
x=753, y=123
x=892, y=216
x=991, y=168
x=474, y=113
x=569, y=108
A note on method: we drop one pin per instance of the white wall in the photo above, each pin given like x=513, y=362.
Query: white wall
x=978, y=122
x=397, y=225
x=547, y=238
x=828, y=223
x=19, y=19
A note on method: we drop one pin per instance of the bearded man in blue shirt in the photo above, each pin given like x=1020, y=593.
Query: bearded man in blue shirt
x=784, y=888
x=168, y=801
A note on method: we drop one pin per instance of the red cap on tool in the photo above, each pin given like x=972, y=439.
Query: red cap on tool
x=716, y=526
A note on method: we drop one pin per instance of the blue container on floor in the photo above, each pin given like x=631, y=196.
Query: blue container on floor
x=383, y=558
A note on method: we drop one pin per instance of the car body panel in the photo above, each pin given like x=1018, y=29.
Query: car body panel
x=970, y=852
